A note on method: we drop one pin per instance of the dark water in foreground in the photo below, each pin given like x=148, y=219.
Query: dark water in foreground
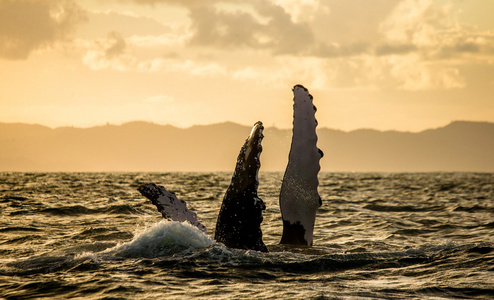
x=393, y=236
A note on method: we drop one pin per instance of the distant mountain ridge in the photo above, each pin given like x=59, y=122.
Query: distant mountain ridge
x=141, y=146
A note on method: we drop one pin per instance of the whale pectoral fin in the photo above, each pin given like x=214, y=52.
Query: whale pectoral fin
x=299, y=198
x=169, y=205
x=240, y=216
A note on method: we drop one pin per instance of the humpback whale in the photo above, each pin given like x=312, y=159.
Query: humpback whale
x=240, y=217
x=299, y=198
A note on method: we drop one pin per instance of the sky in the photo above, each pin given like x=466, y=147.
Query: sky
x=405, y=65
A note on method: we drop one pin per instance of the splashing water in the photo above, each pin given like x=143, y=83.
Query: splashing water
x=163, y=238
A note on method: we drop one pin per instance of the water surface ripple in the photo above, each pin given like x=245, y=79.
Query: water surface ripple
x=377, y=236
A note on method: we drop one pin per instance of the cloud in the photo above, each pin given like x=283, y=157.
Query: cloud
x=29, y=25
x=411, y=20
x=110, y=54
x=172, y=65
x=396, y=48
x=331, y=28
x=118, y=54
x=287, y=71
x=407, y=44
x=260, y=26
x=246, y=24
x=100, y=22
x=412, y=74
x=431, y=30
x=186, y=3
x=168, y=39
x=302, y=10
x=400, y=72
x=335, y=50
x=117, y=47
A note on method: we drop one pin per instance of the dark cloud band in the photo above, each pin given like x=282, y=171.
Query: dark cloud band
x=26, y=26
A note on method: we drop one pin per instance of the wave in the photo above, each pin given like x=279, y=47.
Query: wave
x=68, y=210
x=186, y=251
x=77, y=210
x=19, y=229
x=401, y=208
x=163, y=238
x=120, y=210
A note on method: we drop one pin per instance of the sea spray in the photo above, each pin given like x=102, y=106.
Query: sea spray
x=163, y=238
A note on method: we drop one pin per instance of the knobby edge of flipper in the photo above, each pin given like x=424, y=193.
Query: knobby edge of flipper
x=170, y=207
x=299, y=198
x=240, y=217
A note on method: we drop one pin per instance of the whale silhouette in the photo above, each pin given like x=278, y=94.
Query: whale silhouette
x=240, y=217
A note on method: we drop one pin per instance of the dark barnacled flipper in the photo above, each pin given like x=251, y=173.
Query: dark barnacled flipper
x=240, y=217
x=169, y=205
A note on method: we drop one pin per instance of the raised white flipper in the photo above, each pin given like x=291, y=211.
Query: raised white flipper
x=299, y=198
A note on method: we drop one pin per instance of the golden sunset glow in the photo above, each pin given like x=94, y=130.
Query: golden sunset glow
x=404, y=65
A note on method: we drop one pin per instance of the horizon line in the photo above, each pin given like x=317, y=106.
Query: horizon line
x=234, y=123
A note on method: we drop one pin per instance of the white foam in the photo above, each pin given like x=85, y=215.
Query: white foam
x=163, y=238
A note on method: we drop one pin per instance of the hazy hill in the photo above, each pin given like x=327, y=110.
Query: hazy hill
x=141, y=146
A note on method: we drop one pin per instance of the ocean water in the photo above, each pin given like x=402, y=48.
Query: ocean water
x=377, y=236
